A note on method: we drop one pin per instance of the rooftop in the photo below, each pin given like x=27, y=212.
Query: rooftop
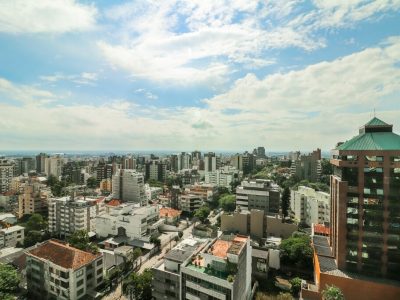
x=221, y=247
x=114, y=202
x=375, y=135
x=63, y=254
x=12, y=229
x=183, y=250
x=169, y=212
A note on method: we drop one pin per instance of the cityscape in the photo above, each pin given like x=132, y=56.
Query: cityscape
x=199, y=150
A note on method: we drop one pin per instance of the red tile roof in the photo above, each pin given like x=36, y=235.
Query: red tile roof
x=169, y=212
x=63, y=255
x=321, y=229
x=114, y=202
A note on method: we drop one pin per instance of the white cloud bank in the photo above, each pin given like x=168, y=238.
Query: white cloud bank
x=313, y=107
x=46, y=16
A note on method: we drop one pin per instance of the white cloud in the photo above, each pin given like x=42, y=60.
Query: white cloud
x=46, y=16
x=147, y=94
x=84, y=78
x=24, y=93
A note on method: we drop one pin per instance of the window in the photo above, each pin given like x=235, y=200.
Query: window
x=80, y=292
x=79, y=273
x=80, y=282
x=99, y=262
x=373, y=158
x=99, y=271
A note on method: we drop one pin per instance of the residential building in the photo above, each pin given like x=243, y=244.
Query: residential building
x=155, y=170
x=10, y=236
x=197, y=159
x=258, y=194
x=71, y=171
x=8, y=218
x=68, y=214
x=307, y=167
x=261, y=152
x=32, y=199
x=175, y=195
x=53, y=166
x=173, y=162
x=189, y=176
x=223, y=177
x=184, y=161
x=128, y=186
x=104, y=171
x=128, y=220
x=211, y=162
x=362, y=254
x=256, y=224
x=189, y=203
x=205, y=191
x=40, y=163
x=167, y=273
x=6, y=174
x=310, y=206
x=56, y=270
x=244, y=162
x=128, y=162
x=106, y=185
x=170, y=215
x=23, y=165
x=221, y=270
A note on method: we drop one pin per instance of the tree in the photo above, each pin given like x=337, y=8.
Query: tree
x=36, y=222
x=285, y=201
x=52, y=180
x=80, y=239
x=32, y=238
x=9, y=281
x=138, y=286
x=202, y=213
x=155, y=240
x=91, y=183
x=228, y=202
x=297, y=251
x=296, y=286
x=332, y=293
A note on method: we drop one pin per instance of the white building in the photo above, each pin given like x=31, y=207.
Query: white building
x=211, y=162
x=66, y=214
x=56, y=270
x=223, y=177
x=221, y=270
x=8, y=218
x=128, y=186
x=6, y=175
x=152, y=192
x=9, y=237
x=53, y=166
x=128, y=220
x=184, y=161
x=310, y=206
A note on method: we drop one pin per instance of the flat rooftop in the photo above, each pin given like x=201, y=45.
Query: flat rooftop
x=183, y=250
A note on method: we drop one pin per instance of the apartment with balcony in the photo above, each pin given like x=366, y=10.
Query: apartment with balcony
x=189, y=203
x=221, y=270
x=11, y=236
x=68, y=214
x=56, y=270
x=310, y=206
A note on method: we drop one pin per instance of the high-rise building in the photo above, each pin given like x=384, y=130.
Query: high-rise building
x=128, y=162
x=307, y=167
x=258, y=194
x=71, y=171
x=261, y=152
x=128, y=186
x=362, y=255
x=173, y=162
x=55, y=270
x=40, y=162
x=53, y=166
x=155, y=170
x=365, y=202
x=211, y=162
x=104, y=171
x=221, y=270
x=32, y=199
x=6, y=175
x=184, y=161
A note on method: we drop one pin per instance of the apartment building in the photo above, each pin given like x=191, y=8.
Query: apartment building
x=55, y=270
x=11, y=235
x=307, y=167
x=53, y=166
x=167, y=273
x=6, y=175
x=128, y=186
x=221, y=270
x=205, y=191
x=258, y=194
x=68, y=214
x=223, y=177
x=212, y=162
x=128, y=220
x=32, y=199
x=189, y=203
x=155, y=170
x=310, y=206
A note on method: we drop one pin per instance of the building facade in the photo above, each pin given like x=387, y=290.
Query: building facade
x=128, y=186
x=307, y=167
x=258, y=194
x=32, y=198
x=11, y=236
x=56, y=270
x=6, y=175
x=189, y=203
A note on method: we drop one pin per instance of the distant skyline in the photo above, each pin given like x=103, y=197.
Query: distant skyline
x=231, y=75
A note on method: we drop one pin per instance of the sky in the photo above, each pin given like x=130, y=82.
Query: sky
x=200, y=74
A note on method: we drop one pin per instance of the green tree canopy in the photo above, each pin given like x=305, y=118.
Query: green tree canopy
x=80, y=239
x=36, y=222
x=91, y=183
x=9, y=280
x=228, y=202
x=138, y=286
x=332, y=293
x=297, y=251
x=202, y=213
x=296, y=286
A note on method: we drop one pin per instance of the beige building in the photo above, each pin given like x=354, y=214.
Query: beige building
x=32, y=199
x=9, y=237
x=256, y=224
x=106, y=185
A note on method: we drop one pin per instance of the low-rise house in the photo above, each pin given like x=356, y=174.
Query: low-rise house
x=8, y=218
x=55, y=270
x=170, y=215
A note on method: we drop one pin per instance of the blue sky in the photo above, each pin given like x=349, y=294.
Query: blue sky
x=184, y=75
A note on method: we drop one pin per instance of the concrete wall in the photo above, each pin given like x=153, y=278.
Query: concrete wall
x=275, y=227
x=236, y=222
